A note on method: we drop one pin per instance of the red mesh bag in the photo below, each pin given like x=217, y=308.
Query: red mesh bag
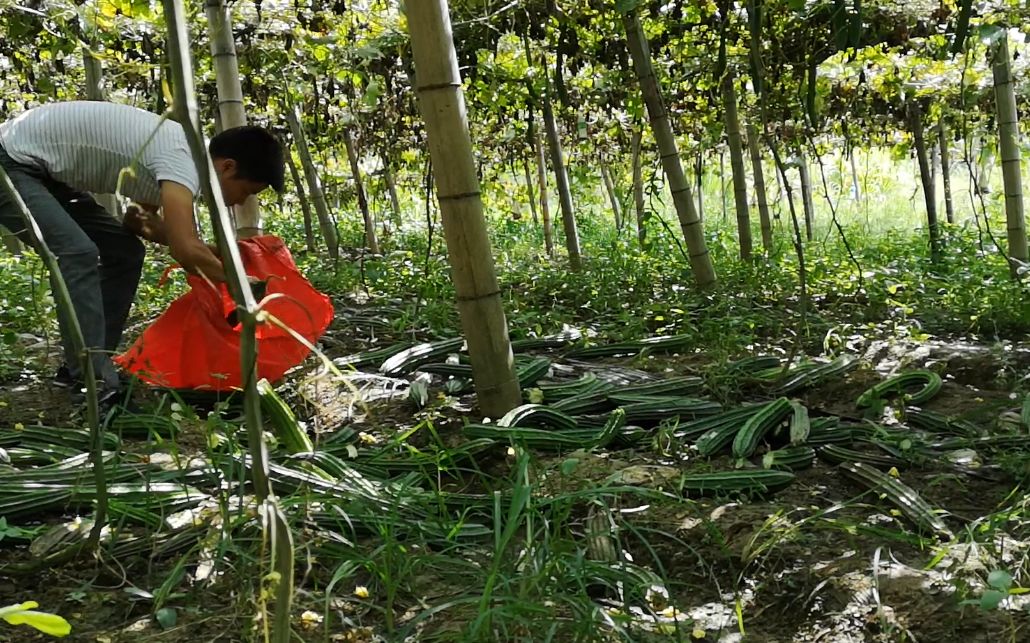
x=193, y=344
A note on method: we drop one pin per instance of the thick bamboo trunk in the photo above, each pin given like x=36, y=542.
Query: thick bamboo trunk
x=944, y=144
x=370, y=227
x=529, y=189
x=391, y=190
x=305, y=205
x=95, y=91
x=760, y=195
x=442, y=103
x=613, y=198
x=545, y=205
x=325, y=222
x=806, y=196
x=561, y=179
x=1009, y=143
x=230, y=97
x=700, y=260
x=915, y=123
x=729, y=99
x=638, y=185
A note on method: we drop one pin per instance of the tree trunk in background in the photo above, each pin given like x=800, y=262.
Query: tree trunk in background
x=729, y=99
x=722, y=182
x=806, y=196
x=325, y=222
x=638, y=185
x=568, y=216
x=944, y=143
x=370, y=226
x=700, y=260
x=1008, y=143
x=442, y=104
x=95, y=91
x=855, y=191
x=230, y=98
x=529, y=190
x=609, y=187
x=391, y=190
x=760, y=195
x=915, y=123
x=934, y=156
x=545, y=205
x=305, y=205
x=699, y=178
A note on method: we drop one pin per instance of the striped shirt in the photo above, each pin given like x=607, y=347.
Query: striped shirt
x=85, y=145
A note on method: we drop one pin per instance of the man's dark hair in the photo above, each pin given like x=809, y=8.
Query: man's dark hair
x=257, y=152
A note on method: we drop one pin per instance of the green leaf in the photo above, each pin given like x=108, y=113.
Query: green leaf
x=991, y=599
x=1025, y=415
x=23, y=614
x=166, y=617
x=990, y=34
x=626, y=6
x=569, y=466
x=1000, y=579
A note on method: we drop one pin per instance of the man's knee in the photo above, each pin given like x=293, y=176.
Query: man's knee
x=77, y=252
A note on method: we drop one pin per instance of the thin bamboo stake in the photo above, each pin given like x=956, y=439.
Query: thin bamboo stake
x=276, y=528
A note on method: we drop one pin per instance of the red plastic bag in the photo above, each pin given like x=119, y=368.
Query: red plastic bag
x=193, y=346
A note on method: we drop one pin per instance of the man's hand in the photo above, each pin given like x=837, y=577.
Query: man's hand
x=181, y=231
x=197, y=259
x=146, y=225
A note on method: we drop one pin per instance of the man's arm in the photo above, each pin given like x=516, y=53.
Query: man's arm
x=180, y=231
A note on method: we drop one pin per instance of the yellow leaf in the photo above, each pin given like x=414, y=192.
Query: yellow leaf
x=18, y=426
x=698, y=633
x=893, y=472
x=361, y=591
x=167, y=91
x=23, y=614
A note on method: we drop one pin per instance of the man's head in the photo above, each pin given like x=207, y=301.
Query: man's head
x=248, y=159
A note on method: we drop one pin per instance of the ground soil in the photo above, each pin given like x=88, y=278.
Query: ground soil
x=799, y=563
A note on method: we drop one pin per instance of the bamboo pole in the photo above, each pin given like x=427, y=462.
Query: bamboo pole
x=1009, y=144
x=305, y=205
x=545, y=205
x=391, y=189
x=806, y=196
x=760, y=194
x=609, y=187
x=442, y=104
x=638, y=185
x=693, y=233
x=325, y=222
x=736, y=145
x=944, y=144
x=561, y=178
x=915, y=118
x=352, y=156
x=230, y=97
x=275, y=526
